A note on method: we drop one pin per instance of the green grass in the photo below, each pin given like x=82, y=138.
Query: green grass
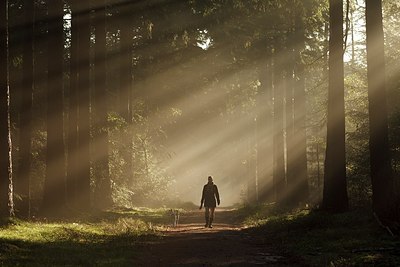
x=112, y=238
x=118, y=237
x=320, y=239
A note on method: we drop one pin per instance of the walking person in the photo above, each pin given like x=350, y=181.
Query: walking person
x=210, y=199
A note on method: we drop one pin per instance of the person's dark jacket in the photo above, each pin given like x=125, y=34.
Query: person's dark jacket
x=210, y=195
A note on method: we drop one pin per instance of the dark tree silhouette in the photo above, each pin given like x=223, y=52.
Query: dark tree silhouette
x=22, y=182
x=300, y=145
x=54, y=187
x=125, y=56
x=264, y=137
x=289, y=117
x=278, y=139
x=383, y=185
x=6, y=186
x=72, y=143
x=83, y=182
x=125, y=86
x=252, y=179
x=335, y=187
x=101, y=172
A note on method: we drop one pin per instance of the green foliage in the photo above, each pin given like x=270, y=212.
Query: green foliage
x=321, y=239
x=357, y=133
x=112, y=238
x=147, y=182
x=126, y=226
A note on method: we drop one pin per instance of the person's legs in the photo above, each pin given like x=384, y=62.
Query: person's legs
x=212, y=210
x=207, y=216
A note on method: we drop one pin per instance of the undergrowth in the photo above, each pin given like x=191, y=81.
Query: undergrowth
x=112, y=238
x=352, y=238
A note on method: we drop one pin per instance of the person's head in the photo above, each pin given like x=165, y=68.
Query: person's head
x=210, y=179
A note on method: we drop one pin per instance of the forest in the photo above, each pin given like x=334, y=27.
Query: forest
x=115, y=112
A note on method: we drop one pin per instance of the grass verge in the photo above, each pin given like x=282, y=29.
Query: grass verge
x=353, y=238
x=113, y=238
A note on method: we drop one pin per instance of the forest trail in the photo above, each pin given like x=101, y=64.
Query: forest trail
x=226, y=244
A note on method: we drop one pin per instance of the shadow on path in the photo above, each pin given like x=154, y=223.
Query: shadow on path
x=226, y=244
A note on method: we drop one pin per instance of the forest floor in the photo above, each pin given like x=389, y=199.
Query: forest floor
x=268, y=236
x=251, y=236
x=226, y=244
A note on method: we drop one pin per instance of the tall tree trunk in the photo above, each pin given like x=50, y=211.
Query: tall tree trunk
x=300, y=139
x=318, y=165
x=125, y=63
x=335, y=188
x=103, y=197
x=252, y=183
x=54, y=187
x=278, y=138
x=291, y=175
x=40, y=60
x=383, y=197
x=39, y=107
x=83, y=182
x=6, y=186
x=22, y=184
x=264, y=131
x=300, y=143
x=72, y=143
x=125, y=90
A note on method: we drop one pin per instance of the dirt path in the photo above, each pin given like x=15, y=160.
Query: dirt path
x=226, y=244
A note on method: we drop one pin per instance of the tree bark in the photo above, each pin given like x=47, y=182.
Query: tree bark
x=54, y=187
x=335, y=188
x=103, y=197
x=383, y=186
x=300, y=138
x=252, y=179
x=72, y=143
x=291, y=175
x=125, y=57
x=300, y=142
x=6, y=186
x=278, y=138
x=83, y=182
x=22, y=184
x=125, y=90
x=264, y=131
